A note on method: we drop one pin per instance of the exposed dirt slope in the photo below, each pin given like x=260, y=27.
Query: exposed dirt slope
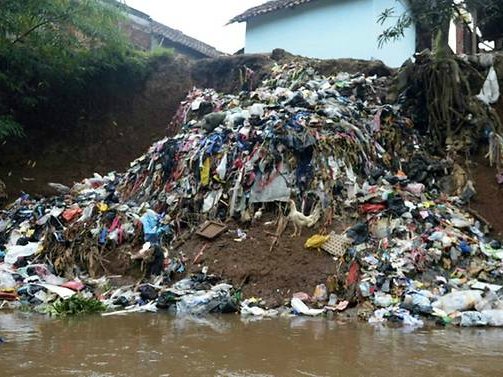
x=271, y=275
x=122, y=127
x=105, y=140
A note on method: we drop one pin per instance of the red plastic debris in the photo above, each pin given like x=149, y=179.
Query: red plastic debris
x=353, y=274
x=70, y=213
x=372, y=208
x=9, y=296
x=76, y=286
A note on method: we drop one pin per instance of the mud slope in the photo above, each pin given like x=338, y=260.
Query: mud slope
x=115, y=133
x=270, y=275
x=123, y=126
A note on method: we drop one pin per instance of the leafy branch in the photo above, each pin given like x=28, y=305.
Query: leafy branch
x=395, y=32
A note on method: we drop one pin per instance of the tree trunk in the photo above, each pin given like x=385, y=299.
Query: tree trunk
x=440, y=43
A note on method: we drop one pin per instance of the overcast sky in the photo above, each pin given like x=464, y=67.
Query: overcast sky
x=202, y=19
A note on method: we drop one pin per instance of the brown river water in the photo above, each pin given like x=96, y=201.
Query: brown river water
x=162, y=345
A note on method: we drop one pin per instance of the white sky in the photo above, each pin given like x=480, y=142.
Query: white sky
x=201, y=19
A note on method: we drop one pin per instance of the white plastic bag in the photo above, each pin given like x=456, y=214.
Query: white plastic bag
x=6, y=280
x=490, y=92
x=493, y=317
x=18, y=251
x=222, y=167
x=458, y=301
x=299, y=307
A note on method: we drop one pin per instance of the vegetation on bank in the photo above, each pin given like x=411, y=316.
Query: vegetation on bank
x=63, y=56
x=438, y=81
x=75, y=305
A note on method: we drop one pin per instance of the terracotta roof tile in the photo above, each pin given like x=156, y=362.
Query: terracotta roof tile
x=178, y=37
x=173, y=35
x=270, y=6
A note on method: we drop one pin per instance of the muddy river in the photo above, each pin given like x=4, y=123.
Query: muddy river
x=160, y=345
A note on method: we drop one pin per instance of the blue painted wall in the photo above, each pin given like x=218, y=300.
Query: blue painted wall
x=330, y=29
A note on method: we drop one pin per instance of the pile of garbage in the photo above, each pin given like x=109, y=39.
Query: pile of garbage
x=36, y=287
x=324, y=148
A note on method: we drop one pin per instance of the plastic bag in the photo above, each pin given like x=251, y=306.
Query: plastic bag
x=150, y=220
x=204, y=302
x=316, y=241
x=6, y=281
x=383, y=300
x=458, y=301
x=320, y=293
x=470, y=319
x=493, y=317
x=222, y=167
x=490, y=92
x=18, y=251
x=300, y=308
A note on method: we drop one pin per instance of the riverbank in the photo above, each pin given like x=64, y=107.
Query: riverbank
x=381, y=217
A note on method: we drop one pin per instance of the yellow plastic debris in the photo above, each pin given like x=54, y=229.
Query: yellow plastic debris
x=205, y=172
x=103, y=207
x=316, y=241
x=428, y=204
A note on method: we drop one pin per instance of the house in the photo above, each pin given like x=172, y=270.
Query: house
x=326, y=29
x=147, y=34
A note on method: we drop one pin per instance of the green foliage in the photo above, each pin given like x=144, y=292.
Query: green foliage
x=395, y=32
x=61, y=27
x=433, y=15
x=76, y=305
x=9, y=127
x=161, y=52
x=59, y=55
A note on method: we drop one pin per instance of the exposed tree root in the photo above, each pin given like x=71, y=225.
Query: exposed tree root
x=455, y=119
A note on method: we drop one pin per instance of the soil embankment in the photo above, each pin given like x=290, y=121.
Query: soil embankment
x=124, y=125
x=489, y=199
x=118, y=133
x=269, y=274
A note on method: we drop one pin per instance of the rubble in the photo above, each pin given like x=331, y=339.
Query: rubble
x=306, y=147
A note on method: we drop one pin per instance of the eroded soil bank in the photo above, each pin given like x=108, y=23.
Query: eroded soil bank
x=120, y=127
x=248, y=264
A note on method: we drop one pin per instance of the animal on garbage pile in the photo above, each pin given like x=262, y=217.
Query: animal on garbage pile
x=246, y=216
x=300, y=220
x=258, y=215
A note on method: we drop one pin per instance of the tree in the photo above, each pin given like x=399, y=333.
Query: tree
x=446, y=95
x=435, y=16
x=51, y=45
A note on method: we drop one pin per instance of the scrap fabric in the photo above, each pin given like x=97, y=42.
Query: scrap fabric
x=316, y=140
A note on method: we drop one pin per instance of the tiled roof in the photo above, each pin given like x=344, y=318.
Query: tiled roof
x=173, y=35
x=270, y=6
x=178, y=37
